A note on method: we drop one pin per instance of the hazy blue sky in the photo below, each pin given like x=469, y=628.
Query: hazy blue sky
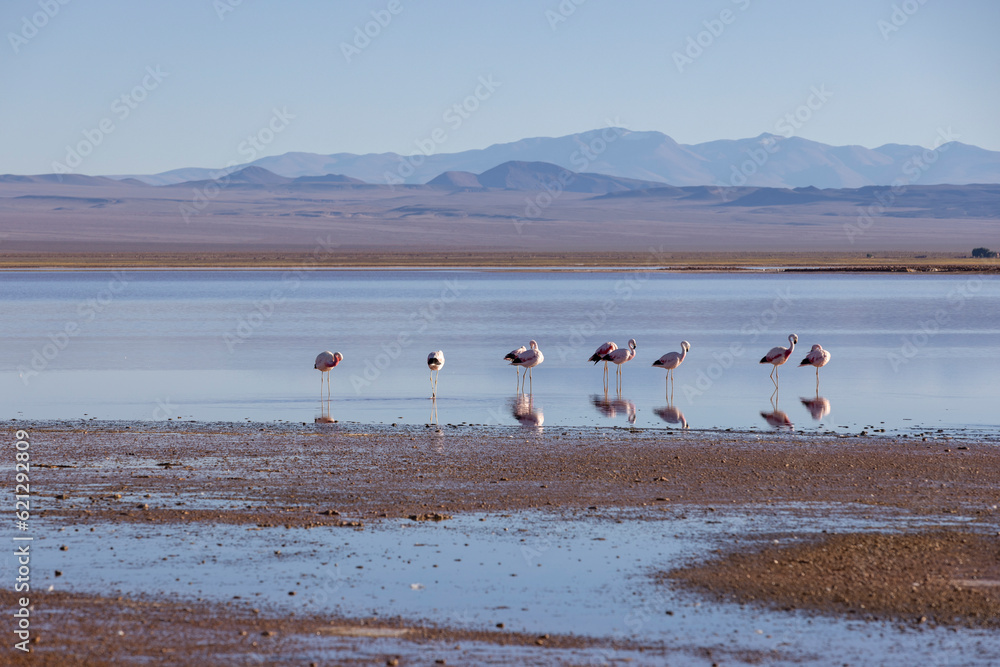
x=200, y=79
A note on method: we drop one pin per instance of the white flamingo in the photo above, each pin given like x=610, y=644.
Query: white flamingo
x=779, y=355
x=599, y=354
x=528, y=359
x=817, y=357
x=324, y=362
x=511, y=356
x=435, y=361
x=619, y=357
x=672, y=360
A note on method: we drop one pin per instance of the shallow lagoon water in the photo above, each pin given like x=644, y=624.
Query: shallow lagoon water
x=531, y=571
x=910, y=352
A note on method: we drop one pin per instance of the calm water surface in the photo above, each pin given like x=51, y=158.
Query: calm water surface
x=910, y=352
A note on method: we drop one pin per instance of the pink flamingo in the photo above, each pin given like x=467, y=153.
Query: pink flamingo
x=324, y=362
x=672, y=360
x=528, y=359
x=817, y=357
x=599, y=354
x=619, y=357
x=779, y=355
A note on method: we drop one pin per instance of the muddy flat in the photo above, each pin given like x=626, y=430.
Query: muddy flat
x=283, y=487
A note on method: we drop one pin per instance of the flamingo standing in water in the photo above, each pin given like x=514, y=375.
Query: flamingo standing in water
x=511, y=356
x=324, y=362
x=619, y=357
x=435, y=360
x=672, y=360
x=817, y=357
x=599, y=355
x=779, y=355
x=528, y=359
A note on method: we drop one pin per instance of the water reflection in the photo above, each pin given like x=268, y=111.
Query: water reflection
x=324, y=416
x=524, y=410
x=777, y=418
x=612, y=407
x=672, y=415
x=818, y=407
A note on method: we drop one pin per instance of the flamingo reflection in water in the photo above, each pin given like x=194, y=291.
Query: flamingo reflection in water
x=672, y=415
x=324, y=414
x=524, y=411
x=779, y=419
x=818, y=407
x=612, y=407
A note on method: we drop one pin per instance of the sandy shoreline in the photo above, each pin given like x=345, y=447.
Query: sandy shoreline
x=267, y=259
x=346, y=477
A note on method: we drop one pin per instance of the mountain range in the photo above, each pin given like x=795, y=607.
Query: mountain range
x=767, y=160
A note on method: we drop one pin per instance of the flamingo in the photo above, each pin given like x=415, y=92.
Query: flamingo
x=672, y=360
x=779, y=355
x=620, y=356
x=435, y=360
x=817, y=357
x=598, y=355
x=324, y=362
x=528, y=359
x=511, y=356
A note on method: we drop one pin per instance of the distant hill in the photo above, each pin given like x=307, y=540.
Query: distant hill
x=66, y=179
x=767, y=160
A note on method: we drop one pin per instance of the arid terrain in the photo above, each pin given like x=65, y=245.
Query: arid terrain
x=348, y=478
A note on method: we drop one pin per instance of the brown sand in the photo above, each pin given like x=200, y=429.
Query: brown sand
x=263, y=258
x=339, y=474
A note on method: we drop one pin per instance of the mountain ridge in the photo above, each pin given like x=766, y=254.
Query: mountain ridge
x=767, y=160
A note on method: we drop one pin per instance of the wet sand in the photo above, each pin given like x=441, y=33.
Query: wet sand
x=340, y=476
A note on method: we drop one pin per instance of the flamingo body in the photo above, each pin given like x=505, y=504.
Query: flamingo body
x=817, y=357
x=324, y=362
x=619, y=357
x=435, y=361
x=599, y=355
x=528, y=358
x=672, y=360
x=779, y=355
x=606, y=348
